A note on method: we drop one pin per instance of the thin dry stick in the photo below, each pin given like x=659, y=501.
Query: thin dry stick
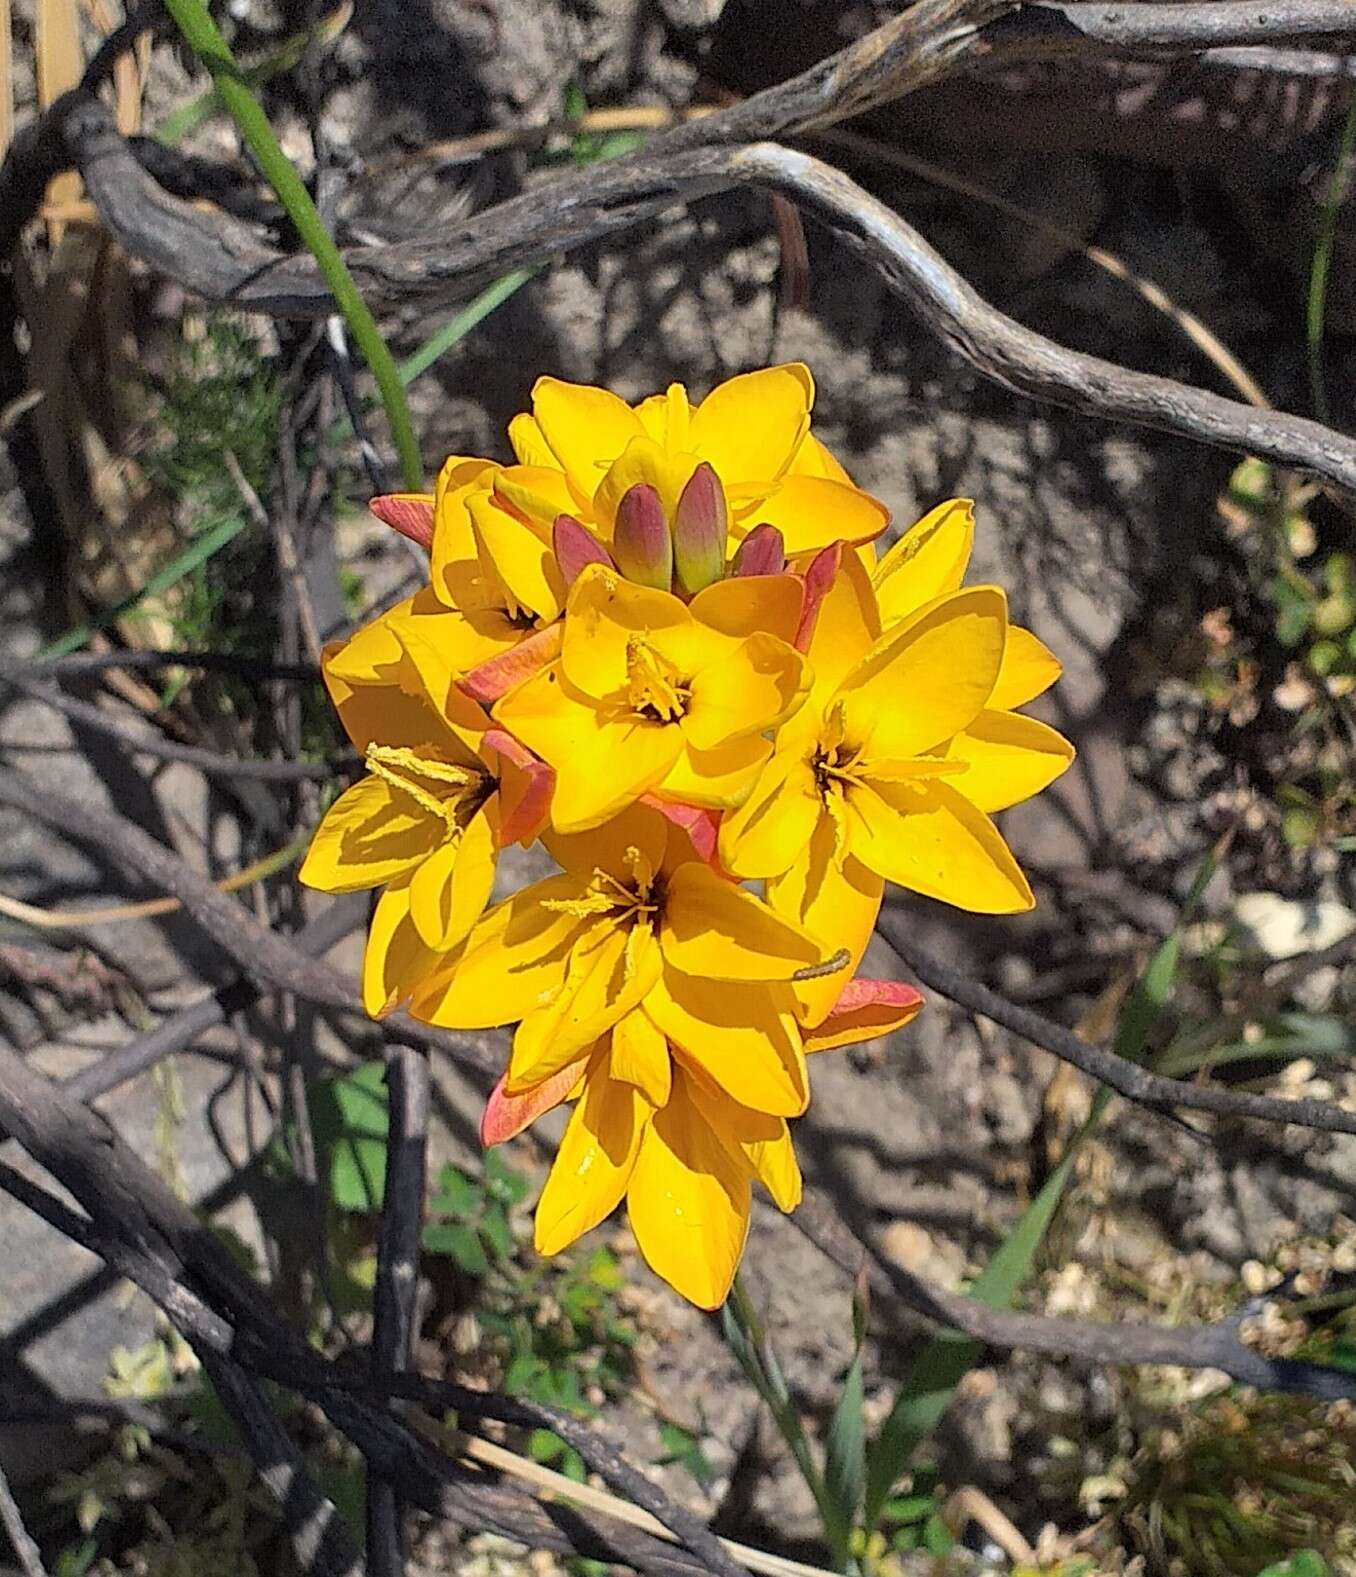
x=1200, y=334
x=148, y=908
x=30, y=1556
x=397, y=1284
x=210, y=762
x=281, y=532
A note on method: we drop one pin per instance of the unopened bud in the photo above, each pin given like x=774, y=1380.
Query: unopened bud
x=641, y=543
x=760, y=553
x=700, y=524
x=575, y=546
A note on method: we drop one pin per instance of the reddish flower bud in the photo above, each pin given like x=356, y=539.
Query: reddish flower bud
x=700, y=524
x=575, y=546
x=641, y=543
x=760, y=553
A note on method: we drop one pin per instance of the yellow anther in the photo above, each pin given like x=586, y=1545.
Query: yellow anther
x=391, y=763
x=653, y=684
x=424, y=766
x=587, y=904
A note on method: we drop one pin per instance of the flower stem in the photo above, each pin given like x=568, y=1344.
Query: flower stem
x=204, y=38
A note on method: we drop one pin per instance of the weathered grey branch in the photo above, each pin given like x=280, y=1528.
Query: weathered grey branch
x=223, y=260
x=263, y=953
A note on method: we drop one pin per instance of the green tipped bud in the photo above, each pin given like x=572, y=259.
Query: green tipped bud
x=575, y=546
x=762, y=552
x=641, y=543
x=700, y=524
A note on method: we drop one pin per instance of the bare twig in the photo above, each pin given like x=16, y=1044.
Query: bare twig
x=208, y=761
x=210, y=257
x=30, y=1556
x=254, y=668
x=1126, y=1078
x=397, y=1284
x=261, y=952
x=1217, y=1346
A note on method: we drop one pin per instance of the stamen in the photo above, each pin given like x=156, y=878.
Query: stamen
x=387, y=762
x=653, y=685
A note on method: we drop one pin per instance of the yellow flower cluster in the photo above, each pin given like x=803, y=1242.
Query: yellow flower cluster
x=662, y=643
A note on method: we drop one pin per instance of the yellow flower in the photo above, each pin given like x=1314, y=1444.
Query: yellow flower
x=652, y=694
x=868, y=782
x=652, y=1126
x=1009, y=757
x=636, y=921
x=753, y=430
x=444, y=791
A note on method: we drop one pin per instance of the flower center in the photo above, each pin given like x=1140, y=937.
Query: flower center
x=834, y=760
x=445, y=790
x=654, y=687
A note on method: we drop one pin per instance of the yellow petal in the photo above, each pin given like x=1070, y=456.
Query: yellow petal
x=538, y=493
x=528, y=442
x=755, y=1140
x=585, y=428
x=688, y=1203
x=520, y=559
x=606, y=979
x=759, y=685
x=846, y=627
x=369, y=835
x=775, y=823
x=449, y=891
x=1029, y=668
x=837, y=905
x=640, y=1056
x=395, y=962
x=743, y=1037
x=741, y=604
x=715, y=779
x=607, y=847
x=601, y=765
x=929, y=677
x=812, y=511
x=667, y=417
x=594, y=1163
x=513, y=961
x=750, y=427
x=643, y=460
x=453, y=540
x=928, y=837
x=929, y=560
x=1008, y=759
x=604, y=613
x=714, y=928
x=814, y=459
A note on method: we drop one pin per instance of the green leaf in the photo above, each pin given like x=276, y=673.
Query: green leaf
x=459, y=1243
x=1304, y=1563
x=845, y=1460
x=544, y=1445
x=351, y=1120
x=506, y=1185
x=456, y=1195
x=494, y=1228
x=930, y=1384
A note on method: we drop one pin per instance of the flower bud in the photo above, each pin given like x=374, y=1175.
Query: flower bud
x=700, y=524
x=575, y=546
x=641, y=543
x=760, y=553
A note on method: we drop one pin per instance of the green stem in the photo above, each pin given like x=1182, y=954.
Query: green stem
x=205, y=40
x=1322, y=264
x=766, y=1377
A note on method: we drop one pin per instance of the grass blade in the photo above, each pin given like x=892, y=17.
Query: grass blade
x=59, y=64
x=929, y=1386
x=1317, y=304
x=197, y=552
x=205, y=39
